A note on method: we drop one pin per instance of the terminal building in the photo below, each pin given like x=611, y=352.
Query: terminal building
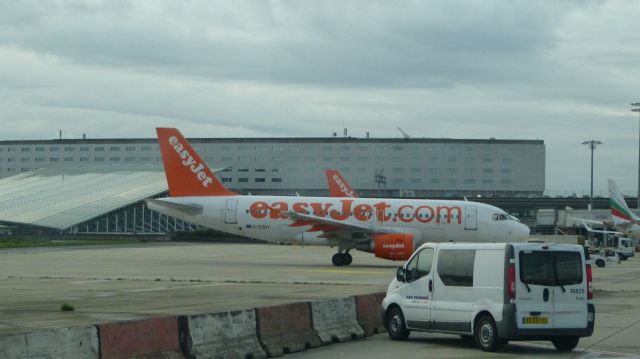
x=373, y=166
x=98, y=185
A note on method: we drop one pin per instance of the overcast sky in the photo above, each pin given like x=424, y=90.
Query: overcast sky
x=560, y=71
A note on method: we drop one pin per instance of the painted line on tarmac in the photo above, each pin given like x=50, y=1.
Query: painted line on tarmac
x=342, y=271
x=579, y=350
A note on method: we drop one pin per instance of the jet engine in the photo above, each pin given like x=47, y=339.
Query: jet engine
x=395, y=246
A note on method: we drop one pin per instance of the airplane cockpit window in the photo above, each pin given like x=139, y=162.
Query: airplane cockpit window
x=500, y=217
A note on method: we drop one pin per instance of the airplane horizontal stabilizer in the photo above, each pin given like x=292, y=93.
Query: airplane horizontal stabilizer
x=188, y=209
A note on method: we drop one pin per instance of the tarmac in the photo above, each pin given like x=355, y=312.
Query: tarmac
x=106, y=284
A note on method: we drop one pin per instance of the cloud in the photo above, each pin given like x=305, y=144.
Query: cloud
x=563, y=72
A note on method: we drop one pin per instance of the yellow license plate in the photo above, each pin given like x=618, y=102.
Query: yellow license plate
x=535, y=320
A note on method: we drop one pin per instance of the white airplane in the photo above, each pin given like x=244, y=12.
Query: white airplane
x=389, y=228
x=623, y=221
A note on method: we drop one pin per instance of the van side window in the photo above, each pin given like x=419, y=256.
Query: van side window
x=420, y=265
x=455, y=267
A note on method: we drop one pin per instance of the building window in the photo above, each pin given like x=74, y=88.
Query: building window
x=84, y=149
x=25, y=149
x=39, y=149
x=276, y=180
x=260, y=180
x=51, y=149
x=243, y=170
x=68, y=149
x=487, y=181
x=68, y=159
x=275, y=170
x=25, y=159
x=99, y=159
x=114, y=148
x=145, y=159
x=260, y=170
x=39, y=159
x=98, y=149
x=226, y=180
x=129, y=159
x=114, y=159
x=243, y=179
x=487, y=170
x=145, y=148
x=130, y=148
x=84, y=159
x=469, y=181
x=53, y=159
x=12, y=159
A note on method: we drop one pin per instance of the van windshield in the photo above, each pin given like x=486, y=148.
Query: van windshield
x=550, y=268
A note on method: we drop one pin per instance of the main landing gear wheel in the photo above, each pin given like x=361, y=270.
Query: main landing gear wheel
x=341, y=259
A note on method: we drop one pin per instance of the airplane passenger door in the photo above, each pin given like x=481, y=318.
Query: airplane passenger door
x=230, y=211
x=470, y=218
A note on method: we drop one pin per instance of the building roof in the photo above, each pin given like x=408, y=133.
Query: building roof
x=360, y=140
x=60, y=197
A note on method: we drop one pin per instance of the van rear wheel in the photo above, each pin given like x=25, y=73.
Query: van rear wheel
x=486, y=334
x=565, y=344
x=600, y=262
x=396, y=326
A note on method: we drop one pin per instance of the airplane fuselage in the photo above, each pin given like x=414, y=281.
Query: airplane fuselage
x=264, y=217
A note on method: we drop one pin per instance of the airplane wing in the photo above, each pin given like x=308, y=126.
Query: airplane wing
x=590, y=229
x=331, y=227
x=583, y=221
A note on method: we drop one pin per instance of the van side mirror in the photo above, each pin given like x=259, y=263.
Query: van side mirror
x=400, y=274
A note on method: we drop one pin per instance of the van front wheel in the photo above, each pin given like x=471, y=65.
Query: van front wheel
x=396, y=326
x=565, y=344
x=487, y=335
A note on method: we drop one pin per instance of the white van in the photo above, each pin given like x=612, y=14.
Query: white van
x=494, y=292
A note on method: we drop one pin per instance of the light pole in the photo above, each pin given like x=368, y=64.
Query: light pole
x=637, y=104
x=592, y=146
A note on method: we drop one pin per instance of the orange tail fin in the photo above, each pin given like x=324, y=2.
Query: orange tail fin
x=338, y=186
x=187, y=175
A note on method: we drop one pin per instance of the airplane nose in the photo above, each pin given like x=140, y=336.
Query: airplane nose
x=522, y=231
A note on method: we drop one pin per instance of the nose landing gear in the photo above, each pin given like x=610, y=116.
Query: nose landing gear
x=341, y=259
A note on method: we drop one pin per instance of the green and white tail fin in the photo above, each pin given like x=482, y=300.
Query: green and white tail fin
x=619, y=208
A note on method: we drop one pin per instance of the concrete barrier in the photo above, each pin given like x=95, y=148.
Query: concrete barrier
x=368, y=308
x=220, y=335
x=155, y=337
x=335, y=320
x=286, y=329
x=81, y=343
